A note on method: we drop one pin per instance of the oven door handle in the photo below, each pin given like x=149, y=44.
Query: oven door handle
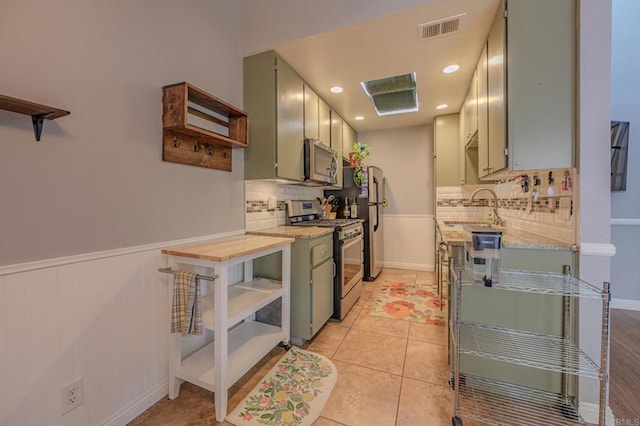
x=351, y=241
x=334, y=269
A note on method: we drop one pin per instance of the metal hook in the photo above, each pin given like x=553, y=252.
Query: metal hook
x=196, y=147
x=176, y=143
x=226, y=155
x=209, y=148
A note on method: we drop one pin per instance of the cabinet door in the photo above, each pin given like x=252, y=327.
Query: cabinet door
x=324, y=122
x=321, y=295
x=311, y=99
x=290, y=134
x=483, y=120
x=471, y=109
x=447, y=152
x=540, y=90
x=349, y=136
x=473, y=104
x=336, y=142
x=497, y=140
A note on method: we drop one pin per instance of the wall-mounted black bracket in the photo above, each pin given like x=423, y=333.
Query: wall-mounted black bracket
x=38, y=124
x=38, y=112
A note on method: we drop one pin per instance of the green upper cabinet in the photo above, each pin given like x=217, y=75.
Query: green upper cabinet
x=494, y=156
x=317, y=117
x=446, y=138
x=324, y=123
x=531, y=55
x=311, y=117
x=470, y=116
x=540, y=83
x=336, y=142
x=349, y=137
x=274, y=101
x=483, y=119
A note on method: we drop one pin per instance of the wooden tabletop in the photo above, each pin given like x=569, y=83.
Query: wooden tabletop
x=228, y=248
x=293, y=231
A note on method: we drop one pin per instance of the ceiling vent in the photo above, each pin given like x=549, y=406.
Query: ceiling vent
x=441, y=27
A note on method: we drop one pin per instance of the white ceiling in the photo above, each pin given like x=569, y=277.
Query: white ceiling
x=389, y=46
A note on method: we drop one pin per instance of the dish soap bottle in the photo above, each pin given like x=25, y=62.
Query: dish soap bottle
x=345, y=211
x=354, y=209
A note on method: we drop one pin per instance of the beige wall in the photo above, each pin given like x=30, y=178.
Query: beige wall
x=406, y=157
x=96, y=180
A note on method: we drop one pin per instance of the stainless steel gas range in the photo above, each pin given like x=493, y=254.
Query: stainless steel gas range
x=347, y=251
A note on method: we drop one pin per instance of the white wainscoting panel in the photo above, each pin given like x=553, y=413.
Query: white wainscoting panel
x=104, y=319
x=409, y=242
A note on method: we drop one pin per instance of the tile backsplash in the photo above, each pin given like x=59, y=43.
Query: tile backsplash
x=550, y=213
x=265, y=202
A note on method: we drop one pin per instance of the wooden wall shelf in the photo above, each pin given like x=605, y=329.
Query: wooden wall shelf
x=38, y=112
x=187, y=143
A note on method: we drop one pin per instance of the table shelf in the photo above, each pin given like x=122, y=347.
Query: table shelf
x=244, y=299
x=248, y=343
x=239, y=341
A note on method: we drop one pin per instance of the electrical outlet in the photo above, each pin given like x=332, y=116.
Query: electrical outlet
x=71, y=396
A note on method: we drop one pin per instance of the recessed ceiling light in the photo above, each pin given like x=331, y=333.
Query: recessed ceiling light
x=337, y=89
x=359, y=117
x=442, y=106
x=451, y=68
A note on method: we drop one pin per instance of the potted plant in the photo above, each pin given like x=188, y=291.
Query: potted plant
x=359, y=151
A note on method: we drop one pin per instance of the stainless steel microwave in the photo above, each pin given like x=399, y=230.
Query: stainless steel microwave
x=320, y=163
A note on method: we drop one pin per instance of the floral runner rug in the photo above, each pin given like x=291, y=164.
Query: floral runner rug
x=410, y=302
x=293, y=392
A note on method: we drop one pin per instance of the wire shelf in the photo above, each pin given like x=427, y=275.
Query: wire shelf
x=535, y=350
x=536, y=282
x=499, y=403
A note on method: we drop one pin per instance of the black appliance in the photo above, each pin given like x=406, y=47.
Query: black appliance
x=369, y=200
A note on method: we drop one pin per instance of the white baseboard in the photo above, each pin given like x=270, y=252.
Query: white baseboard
x=139, y=406
x=590, y=413
x=413, y=266
x=627, y=304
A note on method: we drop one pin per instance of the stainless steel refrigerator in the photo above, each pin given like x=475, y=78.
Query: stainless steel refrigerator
x=369, y=200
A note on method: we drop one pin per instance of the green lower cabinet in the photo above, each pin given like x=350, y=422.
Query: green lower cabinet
x=321, y=295
x=519, y=311
x=312, y=271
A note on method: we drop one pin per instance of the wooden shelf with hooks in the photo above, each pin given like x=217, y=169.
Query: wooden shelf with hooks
x=186, y=111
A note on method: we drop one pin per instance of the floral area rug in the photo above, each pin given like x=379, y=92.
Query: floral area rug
x=411, y=302
x=293, y=392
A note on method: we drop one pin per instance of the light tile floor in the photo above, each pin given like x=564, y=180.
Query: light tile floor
x=390, y=372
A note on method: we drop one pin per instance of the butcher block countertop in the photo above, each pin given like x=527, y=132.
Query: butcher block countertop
x=293, y=231
x=228, y=248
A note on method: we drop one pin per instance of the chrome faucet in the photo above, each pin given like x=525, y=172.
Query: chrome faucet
x=497, y=219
